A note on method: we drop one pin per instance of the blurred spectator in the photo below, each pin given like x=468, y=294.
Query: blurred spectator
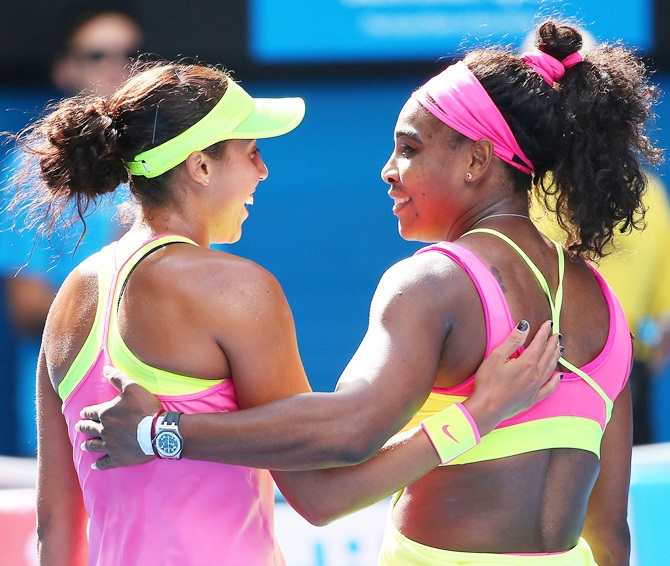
x=99, y=39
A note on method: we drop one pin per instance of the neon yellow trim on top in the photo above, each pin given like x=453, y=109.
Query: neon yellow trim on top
x=542, y=434
x=156, y=380
x=609, y=404
x=530, y=436
x=435, y=403
x=91, y=348
x=555, y=305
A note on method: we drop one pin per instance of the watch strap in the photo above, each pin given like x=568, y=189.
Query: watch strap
x=154, y=422
x=172, y=418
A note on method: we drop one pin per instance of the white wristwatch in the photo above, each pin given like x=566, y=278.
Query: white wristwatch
x=167, y=441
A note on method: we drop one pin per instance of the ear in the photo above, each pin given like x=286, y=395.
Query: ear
x=480, y=158
x=198, y=167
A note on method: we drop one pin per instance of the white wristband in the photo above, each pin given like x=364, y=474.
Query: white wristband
x=144, y=434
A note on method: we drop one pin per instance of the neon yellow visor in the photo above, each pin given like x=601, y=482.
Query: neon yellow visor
x=236, y=116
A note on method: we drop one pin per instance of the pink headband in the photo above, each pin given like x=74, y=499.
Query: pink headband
x=456, y=98
x=548, y=67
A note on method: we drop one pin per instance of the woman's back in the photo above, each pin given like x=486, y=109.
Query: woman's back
x=223, y=510
x=525, y=501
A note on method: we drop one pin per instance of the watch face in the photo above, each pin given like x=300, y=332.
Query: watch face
x=168, y=443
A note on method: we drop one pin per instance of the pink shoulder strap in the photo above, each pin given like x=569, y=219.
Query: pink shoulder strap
x=499, y=321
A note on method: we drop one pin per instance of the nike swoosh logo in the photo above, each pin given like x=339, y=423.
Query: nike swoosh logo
x=445, y=430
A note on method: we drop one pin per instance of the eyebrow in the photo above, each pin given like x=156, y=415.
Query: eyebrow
x=411, y=134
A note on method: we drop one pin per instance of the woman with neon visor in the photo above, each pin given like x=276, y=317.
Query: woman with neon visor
x=204, y=330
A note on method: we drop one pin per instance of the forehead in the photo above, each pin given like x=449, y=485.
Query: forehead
x=415, y=121
x=107, y=31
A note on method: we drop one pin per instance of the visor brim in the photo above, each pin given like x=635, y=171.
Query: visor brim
x=271, y=117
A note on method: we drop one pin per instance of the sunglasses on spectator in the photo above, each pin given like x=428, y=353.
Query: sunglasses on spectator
x=99, y=55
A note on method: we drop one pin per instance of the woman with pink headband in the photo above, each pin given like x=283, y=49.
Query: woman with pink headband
x=548, y=486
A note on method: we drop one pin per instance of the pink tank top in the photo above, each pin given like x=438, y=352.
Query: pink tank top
x=576, y=413
x=164, y=512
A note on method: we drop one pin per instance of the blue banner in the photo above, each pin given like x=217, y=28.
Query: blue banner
x=348, y=31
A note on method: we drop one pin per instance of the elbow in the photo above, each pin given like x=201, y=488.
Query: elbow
x=44, y=530
x=317, y=511
x=612, y=549
x=320, y=520
x=619, y=547
x=620, y=553
x=354, y=447
x=357, y=453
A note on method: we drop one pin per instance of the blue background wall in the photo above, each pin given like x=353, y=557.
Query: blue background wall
x=322, y=221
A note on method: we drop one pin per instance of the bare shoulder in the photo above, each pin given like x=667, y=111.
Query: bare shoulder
x=428, y=276
x=71, y=317
x=237, y=278
x=207, y=283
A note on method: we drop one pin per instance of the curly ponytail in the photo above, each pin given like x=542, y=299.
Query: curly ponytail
x=584, y=134
x=599, y=181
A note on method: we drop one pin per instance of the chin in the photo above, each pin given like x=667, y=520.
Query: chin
x=227, y=239
x=414, y=236
x=233, y=239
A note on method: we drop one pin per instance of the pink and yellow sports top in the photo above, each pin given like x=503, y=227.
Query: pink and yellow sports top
x=576, y=413
x=162, y=512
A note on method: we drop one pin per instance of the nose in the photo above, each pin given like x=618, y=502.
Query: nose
x=262, y=168
x=389, y=172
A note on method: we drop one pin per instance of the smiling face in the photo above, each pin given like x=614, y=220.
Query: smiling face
x=426, y=173
x=233, y=181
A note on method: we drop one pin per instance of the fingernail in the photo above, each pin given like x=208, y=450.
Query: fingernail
x=560, y=376
x=551, y=323
x=522, y=326
x=560, y=337
x=561, y=349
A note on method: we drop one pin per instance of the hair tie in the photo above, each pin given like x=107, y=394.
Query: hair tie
x=548, y=67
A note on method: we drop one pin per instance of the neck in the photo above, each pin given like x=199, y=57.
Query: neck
x=168, y=222
x=501, y=214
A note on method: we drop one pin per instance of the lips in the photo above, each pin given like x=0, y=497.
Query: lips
x=399, y=203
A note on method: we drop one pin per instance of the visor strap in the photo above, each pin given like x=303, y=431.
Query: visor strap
x=221, y=121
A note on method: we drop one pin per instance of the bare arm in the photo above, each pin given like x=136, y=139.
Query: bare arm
x=606, y=527
x=61, y=517
x=324, y=495
x=321, y=430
